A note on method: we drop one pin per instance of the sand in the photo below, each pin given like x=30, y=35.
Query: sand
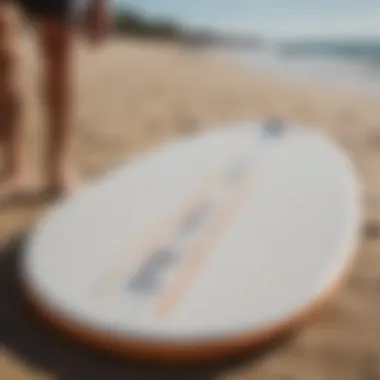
x=131, y=95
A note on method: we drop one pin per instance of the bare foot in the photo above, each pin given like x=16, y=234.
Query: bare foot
x=63, y=183
x=14, y=186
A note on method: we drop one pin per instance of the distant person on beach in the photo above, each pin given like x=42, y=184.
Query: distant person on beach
x=53, y=21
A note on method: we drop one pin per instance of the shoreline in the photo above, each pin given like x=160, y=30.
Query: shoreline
x=358, y=77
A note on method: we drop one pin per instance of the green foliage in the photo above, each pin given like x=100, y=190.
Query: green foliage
x=133, y=24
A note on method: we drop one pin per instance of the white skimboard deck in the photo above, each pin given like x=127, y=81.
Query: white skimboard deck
x=201, y=248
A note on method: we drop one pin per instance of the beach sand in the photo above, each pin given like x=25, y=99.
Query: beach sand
x=131, y=95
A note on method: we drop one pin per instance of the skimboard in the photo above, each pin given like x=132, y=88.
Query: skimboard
x=200, y=248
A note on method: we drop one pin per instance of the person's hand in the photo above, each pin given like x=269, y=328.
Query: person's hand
x=98, y=21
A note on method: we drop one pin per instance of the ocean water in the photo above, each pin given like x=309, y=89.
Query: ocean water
x=364, y=50
x=355, y=67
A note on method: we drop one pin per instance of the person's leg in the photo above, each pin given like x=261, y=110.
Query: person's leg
x=55, y=38
x=13, y=175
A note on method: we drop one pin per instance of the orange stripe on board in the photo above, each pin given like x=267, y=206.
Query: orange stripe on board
x=166, y=304
x=156, y=237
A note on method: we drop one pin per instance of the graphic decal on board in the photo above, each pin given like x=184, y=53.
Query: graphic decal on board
x=166, y=263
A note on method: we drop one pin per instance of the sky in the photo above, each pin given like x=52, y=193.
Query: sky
x=277, y=19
